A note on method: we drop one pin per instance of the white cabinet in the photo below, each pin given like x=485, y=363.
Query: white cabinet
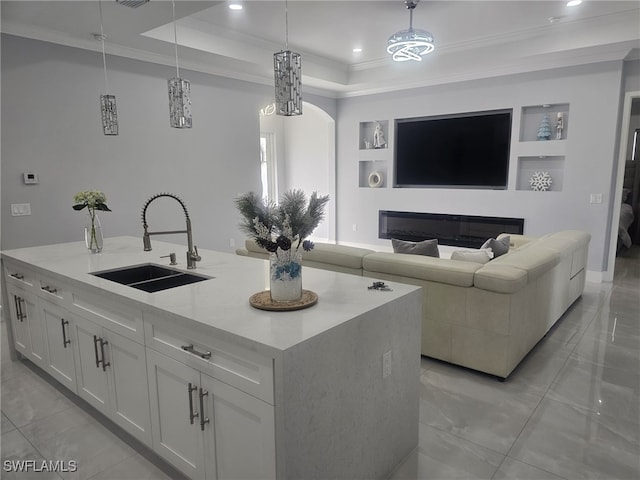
x=112, y=376
x=243, y=427
x=207, y=428
x=60, y=343
x=27, y=326
x=175, y=415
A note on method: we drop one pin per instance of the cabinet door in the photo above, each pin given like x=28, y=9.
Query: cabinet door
x=18, y=321
x=177, y=436
x=37, y=335
x=28, y=329
x=60, y=344
x=128, y=385
x=244, y=431
x=92, y=380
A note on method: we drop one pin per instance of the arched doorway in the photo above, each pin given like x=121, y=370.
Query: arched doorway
x=300, y=153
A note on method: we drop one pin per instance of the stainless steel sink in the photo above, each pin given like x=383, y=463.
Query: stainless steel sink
x=149, y=277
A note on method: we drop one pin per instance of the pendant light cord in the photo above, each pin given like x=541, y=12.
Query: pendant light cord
x=175, y=37
x=286, y=25
x=104, y=57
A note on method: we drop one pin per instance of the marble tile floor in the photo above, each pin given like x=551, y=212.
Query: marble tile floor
x=571, y=410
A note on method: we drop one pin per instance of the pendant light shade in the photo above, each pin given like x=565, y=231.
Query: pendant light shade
x=412, y=43
x=179, y=90
x=179, y=103
x=287, y=69
x=109, y=114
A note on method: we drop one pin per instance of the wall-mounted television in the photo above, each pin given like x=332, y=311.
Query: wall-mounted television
x=468, y=150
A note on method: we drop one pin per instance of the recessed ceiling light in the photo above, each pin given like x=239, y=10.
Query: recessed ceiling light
x=357, y=50
x=573, y=3
x=235, y=6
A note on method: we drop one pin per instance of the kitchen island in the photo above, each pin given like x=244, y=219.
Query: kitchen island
x=216, y=387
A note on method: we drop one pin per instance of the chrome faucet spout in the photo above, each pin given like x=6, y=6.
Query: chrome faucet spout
x=192, y=250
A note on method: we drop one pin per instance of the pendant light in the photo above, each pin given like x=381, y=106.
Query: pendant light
x=108, y=111
x=179, y=89
x=287, y=68
x=410, y=44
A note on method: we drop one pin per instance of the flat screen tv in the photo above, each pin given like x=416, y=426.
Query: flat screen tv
x=469, y=150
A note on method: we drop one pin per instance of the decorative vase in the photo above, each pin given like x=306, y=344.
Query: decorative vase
x=93, y=233
x=285, y=278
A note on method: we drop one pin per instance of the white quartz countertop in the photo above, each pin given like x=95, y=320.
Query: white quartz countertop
x=221, y=303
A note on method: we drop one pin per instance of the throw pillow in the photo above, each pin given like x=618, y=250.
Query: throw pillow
x=498, y=247
x=478, y=256
x=428, y=248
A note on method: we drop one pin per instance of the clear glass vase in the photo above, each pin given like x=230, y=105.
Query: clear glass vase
x=285, y=275
x=93, y=233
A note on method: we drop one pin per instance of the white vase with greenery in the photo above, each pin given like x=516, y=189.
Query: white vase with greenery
x=282, y=230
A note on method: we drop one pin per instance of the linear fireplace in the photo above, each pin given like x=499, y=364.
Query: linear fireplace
x=458, y=230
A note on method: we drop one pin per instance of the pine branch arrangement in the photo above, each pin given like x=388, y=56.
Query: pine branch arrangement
x=283, y=226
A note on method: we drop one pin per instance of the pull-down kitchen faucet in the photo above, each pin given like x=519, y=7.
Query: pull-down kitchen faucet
x=192, y=252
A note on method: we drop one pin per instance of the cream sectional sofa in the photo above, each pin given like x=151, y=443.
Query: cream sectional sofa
x=483, y=316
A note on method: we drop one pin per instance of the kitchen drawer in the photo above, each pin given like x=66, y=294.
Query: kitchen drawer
x=110, y=313
x=19, y=275
x=234, y=365
x=51, y=289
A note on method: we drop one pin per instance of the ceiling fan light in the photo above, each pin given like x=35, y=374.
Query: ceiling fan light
x=410, y=44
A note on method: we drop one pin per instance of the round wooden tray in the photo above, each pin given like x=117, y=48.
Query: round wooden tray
x=262, y=300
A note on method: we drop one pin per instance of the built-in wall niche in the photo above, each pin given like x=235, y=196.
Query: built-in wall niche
x=372, y=174
x=542, y=170
x=371, y=137
x=532, y=117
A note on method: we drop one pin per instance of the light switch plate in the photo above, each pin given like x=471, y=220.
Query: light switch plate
x=20, y=209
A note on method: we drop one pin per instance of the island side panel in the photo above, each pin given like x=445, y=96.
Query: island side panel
x=337, y=417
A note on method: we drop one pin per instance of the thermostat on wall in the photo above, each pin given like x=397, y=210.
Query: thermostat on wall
x=30, y=178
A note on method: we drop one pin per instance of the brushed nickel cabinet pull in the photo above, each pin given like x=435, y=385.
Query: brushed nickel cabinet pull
x=21, y=315
x=104, y=363
x=95, y=348
x=192, y=414
x=65, y=340
x=203, y=421
x=48, y=289
x=16, y=301
x=189, y=348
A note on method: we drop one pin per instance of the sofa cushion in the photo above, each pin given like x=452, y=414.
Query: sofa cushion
x=498, y=247
x=340, y=255
x=443, y=270
x=428, y=248
x=500, y=278
x=535, y=261
x=479, y=256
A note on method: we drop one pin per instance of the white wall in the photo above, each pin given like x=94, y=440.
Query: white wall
x=594, y=94
x=52, y=127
